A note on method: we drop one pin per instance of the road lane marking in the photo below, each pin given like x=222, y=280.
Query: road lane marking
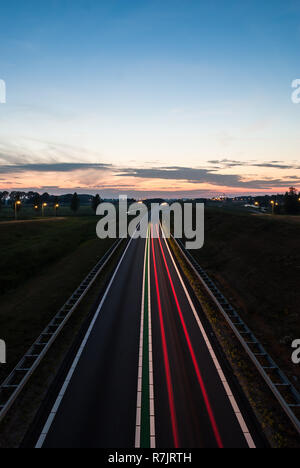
x=145, y=419
x=142, y=434
x=193, y=355
x=227, y=388
x=151, y=381
x=56, y=406
x=165, y=354
x=140, y=366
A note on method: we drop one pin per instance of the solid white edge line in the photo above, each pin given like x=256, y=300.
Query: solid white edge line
x=58, y=401
x=140, y=372
x=224, y=381
x=151, y=381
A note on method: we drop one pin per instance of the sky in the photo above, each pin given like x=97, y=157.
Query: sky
x=150, y=97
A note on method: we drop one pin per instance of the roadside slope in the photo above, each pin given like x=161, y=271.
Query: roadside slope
x=256, y=261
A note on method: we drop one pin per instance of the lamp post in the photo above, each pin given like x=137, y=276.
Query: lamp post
x=56, y=206
x=17, y=204
x=44, y=205
x=273, y=206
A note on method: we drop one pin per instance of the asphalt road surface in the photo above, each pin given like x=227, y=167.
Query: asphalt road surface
x=146, y=374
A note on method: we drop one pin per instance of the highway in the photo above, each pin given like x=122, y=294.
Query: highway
x=146, y=374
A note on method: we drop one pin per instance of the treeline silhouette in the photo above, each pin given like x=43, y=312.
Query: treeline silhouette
x=292, y=202
x=36, y=200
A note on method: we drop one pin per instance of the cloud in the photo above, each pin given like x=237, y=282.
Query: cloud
x=55, y=167
x=224, y=163
x=277, y=166
x=193, y=175
x=34, y=151
x=88, y=174
x=228, y=163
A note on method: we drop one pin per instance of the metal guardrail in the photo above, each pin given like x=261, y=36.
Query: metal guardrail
x=15, y=382
x=276, y=380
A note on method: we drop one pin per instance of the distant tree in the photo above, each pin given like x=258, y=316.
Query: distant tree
x=3, y=197
x=37, y=200
x=45, y=197
x=14, y=196
x=75, y=203
x=30, y=196
x=291, y=202
x=95, y=202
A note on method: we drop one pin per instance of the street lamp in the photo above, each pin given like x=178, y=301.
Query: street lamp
x=44, y=205
x=17, y=204
x=273, y=206
x=56, y=206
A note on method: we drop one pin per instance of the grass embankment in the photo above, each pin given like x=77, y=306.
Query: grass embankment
x=256, y=261
x=7, y=213
x=41, y=265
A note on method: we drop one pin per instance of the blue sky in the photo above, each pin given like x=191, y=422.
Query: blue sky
x=151, y=96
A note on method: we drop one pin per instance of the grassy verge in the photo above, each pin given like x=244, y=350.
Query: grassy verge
x=28, y=248
x=41, y=265
x=7, y=213
x=256, y=262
